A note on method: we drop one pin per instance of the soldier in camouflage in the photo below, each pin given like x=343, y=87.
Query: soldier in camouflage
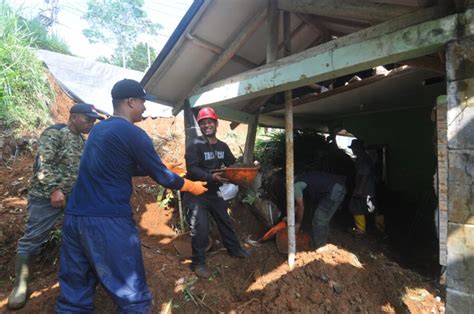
x=54, y=174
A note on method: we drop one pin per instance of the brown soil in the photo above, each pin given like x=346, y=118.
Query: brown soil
x=351, y=275
x=62, y=103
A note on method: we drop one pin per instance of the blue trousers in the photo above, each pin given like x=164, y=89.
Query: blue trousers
x=325, y=209
x=199, y=208
x=105, y=250
x=41, y=219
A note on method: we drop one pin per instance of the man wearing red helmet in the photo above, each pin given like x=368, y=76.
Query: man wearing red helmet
x=206, y=153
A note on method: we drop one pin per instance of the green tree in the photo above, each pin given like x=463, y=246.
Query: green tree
x=118, y=22
x=139, y=58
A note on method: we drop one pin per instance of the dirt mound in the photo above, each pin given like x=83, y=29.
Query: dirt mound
x=350, y=275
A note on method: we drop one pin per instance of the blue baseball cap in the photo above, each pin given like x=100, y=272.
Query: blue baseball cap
x=87, y=109
x=130, y=89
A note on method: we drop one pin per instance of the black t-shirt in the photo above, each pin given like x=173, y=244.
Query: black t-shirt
x=202, y=157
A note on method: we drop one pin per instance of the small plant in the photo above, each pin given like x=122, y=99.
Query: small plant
x=249, y=199
x=50, y=250
x=165, y=197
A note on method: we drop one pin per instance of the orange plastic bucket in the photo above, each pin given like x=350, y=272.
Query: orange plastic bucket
x=303, y=241
x=238, y=175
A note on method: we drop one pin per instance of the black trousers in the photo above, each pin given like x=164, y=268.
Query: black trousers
x=198, y=210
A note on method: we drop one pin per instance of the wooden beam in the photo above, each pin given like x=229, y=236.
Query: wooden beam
x=258, y=103
x=230, y=114
x=359, y=10
x=273, y=23
x=426, y=62
x=253, y=107
x=342, y=89
x=249, y=28
x=218, y=50
x=335, y=25
x=334, y=59
x=317, y=27
x=300, y=124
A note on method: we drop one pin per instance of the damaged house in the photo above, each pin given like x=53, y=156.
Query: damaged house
x=396, y=73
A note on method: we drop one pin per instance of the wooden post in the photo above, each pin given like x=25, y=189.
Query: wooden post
x=273, y=22
x=272, y=51
x=250, y=142
x=191, y=129
x=290, y=178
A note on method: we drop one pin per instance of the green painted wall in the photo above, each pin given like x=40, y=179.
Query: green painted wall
x=411, y=158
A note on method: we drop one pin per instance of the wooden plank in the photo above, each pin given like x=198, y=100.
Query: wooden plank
x=331, y=61
x=249, y=28
x=316, y=27
x=359, y=10
x=426, y=62
x=259, y=102
x=218, y=50
x=300, y=124
x=273, y=23
x=230, y=114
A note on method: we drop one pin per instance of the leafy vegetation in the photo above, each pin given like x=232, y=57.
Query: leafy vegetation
x=118, y=22
x=24, y=88
x=311, y=152
x=40, y=38
x=139, y=58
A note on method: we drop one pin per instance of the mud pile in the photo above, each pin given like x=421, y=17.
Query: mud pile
x=350, y=275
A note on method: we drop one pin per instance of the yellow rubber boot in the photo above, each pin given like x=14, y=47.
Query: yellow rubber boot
x=359, y=224
x=380, y=223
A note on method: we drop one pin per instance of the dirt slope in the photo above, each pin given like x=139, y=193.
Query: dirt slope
x=351, y=275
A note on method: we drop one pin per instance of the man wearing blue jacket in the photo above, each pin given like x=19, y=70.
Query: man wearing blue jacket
x=100, y=241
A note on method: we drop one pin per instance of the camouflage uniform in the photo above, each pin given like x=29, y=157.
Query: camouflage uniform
x=56, y=167
x=57, y=161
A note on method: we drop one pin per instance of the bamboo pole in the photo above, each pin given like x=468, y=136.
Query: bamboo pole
x=290, y=192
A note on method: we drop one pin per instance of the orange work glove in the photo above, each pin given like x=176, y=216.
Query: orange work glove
x=175, y=167
x=194, y=187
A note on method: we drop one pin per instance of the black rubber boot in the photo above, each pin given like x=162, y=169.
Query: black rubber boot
x=17, y=298
x=201, y=271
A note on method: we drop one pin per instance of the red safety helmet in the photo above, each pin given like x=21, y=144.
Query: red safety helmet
x=207, y=113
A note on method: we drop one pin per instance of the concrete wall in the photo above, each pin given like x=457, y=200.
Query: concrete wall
x=460, y=121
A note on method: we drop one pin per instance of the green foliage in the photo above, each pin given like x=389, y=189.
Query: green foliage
x=165, y=197
x=311, y=151
x=24, y=88
x=249, y=199
x=119, y=22
x=136, y=59
x=40, y=38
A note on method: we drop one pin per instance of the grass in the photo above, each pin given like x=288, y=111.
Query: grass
x=24, y=89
